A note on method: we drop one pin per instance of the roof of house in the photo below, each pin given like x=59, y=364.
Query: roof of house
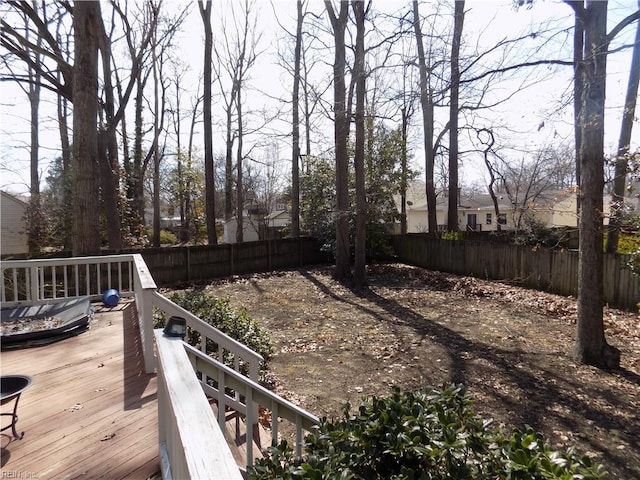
x=15, y=198
x=278, y=213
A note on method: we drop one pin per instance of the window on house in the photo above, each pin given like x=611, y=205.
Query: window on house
x=489, y=219
x=502, y=219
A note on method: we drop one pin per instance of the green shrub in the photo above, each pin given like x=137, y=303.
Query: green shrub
x=167, y=237
x=629, y=243
x=219, y=313
x=454, y=236
x=426, y=434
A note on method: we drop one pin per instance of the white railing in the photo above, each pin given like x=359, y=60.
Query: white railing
x=191, y=444
x=189, y=440
x=40, y=281
x=252, y=394
x=34, y=282
x=144, y=288
x=211, y=340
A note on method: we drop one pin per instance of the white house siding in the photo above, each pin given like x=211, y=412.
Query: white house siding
x=13, y=236
x=249, y=234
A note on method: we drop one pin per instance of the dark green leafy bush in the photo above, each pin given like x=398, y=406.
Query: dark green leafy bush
x=427, y=435
x=236, y=323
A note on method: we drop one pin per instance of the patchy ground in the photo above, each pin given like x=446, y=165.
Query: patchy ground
x=414, y=327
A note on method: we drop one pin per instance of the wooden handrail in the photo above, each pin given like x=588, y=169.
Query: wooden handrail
x=188, y=432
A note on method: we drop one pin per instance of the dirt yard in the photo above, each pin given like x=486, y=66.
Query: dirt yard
x=412, y=327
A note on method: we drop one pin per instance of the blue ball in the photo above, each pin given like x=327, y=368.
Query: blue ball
x=111, y=297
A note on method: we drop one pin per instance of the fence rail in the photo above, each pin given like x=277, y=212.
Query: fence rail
x=548, y=270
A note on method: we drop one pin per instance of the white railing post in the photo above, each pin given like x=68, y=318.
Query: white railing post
x=146, y=330
x=145, y=287
x=34, y=287
x=254, y=374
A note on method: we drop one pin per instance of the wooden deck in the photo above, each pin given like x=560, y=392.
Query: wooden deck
x=91, y=411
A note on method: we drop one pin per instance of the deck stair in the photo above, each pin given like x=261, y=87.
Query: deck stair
x=236, y=435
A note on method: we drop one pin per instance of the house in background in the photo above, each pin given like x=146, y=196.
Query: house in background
x=278, y=220
x=250, y=231
x=477, y=213
x=13, y=238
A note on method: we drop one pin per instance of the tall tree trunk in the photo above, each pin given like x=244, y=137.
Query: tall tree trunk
x=86, y=231
x=36, y=219
x=628, y=115
x=156, y=150
x=212, y=237
x=341, y=132
x=426, y=101
x=239, y=179
x=135, y=179
x=295, y=150
x=458, y=23
x=189, y=215
x=591, y=346
x=578, y=89
x=180, y=161
x=228, y=166
x=108, y=165
x=403, y=167
x=66, y=167
x=108, y=150
x=360, y=260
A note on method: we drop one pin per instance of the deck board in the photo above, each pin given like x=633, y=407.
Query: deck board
x=91, y=411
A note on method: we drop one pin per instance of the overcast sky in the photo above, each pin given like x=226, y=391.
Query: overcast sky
x=533, y=115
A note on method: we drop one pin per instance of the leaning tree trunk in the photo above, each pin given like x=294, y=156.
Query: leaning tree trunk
x=591, y=346
x=426, y=101
x=578, y=87
x=628, y=115
x=86, y=231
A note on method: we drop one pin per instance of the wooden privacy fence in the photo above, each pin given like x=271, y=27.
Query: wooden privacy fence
x=548, y=270
x=188, y=264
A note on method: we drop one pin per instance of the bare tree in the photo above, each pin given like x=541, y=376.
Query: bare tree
x=205, y=13
x=341, y=133
x=86, y=232
x=32, y=89
x=426, y=101
x=591, y=346
x=458, y=22
x=236, y=53
x=530, y=179
x=359, y=75
x=295, y=135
